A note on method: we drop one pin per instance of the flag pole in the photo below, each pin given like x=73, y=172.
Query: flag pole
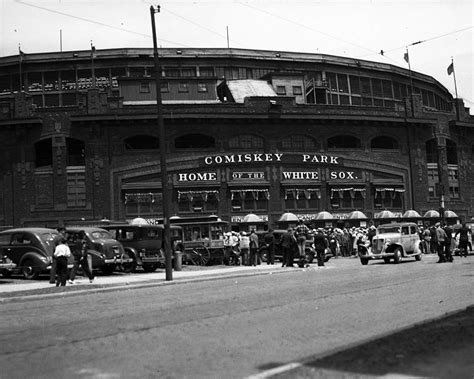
x=454, y=77
x=92, y=64
x=20, y=53
x=412, y=103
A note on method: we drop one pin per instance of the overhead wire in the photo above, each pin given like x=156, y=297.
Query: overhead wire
x=88, y=20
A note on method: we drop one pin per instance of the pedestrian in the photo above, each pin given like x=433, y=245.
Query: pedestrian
x=433, y=240
x=289, y=246
x=52, y=273
x=447, y=242
x=62, y=253
x=80, y=258
x=320, y=245
x=427, y=241
x=463, y=233
x=244, y=248
x=441, y=238
x=301, y=232
x=371, y=234
x=254, y=255
x=269, y=240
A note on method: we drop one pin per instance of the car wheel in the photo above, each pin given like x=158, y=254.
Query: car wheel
x=108, y=269
x=386, y=260
x=29, y=270
x=129, y=266
x=418, y=257
x=397, y=255
x=150, y=268
x=364, y=261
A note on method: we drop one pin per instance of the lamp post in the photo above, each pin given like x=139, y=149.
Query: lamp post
x=164, y=173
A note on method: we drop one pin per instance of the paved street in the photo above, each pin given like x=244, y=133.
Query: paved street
x=232, y=327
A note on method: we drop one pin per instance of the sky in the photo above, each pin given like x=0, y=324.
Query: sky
x=434, y=31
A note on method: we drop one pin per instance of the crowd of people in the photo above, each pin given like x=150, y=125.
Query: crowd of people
x=246, y=249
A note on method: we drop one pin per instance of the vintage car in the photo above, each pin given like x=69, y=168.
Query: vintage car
x=106, y=253
x=30, y=250
x=144, y=243
x=393, y=241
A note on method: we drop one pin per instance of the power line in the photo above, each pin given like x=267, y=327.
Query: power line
x=94, y=22
x=426, y=40
x=305, y=26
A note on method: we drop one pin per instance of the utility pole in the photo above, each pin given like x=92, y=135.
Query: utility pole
x=164, y=171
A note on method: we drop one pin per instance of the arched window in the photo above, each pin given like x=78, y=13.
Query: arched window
x=246, y=141
x=384, y=142
x=431, y=151
x=298, y=142
x=451, y=152
x=44, y=153
x=194, y=141
x=142, y=142
x=75, y=152
x=343, y=142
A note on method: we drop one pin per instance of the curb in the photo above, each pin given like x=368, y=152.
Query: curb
x=143, y=284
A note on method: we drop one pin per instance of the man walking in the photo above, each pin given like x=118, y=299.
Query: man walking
x=320, y=245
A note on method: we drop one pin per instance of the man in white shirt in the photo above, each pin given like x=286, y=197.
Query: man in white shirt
x=61, y=253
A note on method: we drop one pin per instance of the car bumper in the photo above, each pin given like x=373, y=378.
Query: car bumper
x=117, y=260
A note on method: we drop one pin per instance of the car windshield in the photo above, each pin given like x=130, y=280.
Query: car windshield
x=49, y=237
x=389, y=229
x=100, y=234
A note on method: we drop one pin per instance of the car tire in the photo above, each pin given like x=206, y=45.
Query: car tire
x=397, y=255
x=28, y=270
x=418, y=257
x=386, y=260
x=364, y=261
x=129, y=266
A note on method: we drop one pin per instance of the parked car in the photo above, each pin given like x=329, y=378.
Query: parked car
x=107, y=254
x=30, y=250
x=393, y=241
x=145, y=243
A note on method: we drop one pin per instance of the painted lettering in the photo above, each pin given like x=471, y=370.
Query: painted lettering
x=301, y=175
x=343, y=175
x=197, y=177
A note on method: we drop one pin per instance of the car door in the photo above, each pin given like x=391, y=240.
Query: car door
x=405, y=238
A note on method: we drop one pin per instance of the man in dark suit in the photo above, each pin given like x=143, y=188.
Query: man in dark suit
x=288, y=244
x=320, y=245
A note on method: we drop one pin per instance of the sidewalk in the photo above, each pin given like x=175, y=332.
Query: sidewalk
x=13, y=289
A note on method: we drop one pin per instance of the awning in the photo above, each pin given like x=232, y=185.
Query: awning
x=256, y=193
x=352, y=190
x=393, y=191
x=190, y=195
x=307, y=193
x=143, y=197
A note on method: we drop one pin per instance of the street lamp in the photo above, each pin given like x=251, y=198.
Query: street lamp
x=164, y=173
